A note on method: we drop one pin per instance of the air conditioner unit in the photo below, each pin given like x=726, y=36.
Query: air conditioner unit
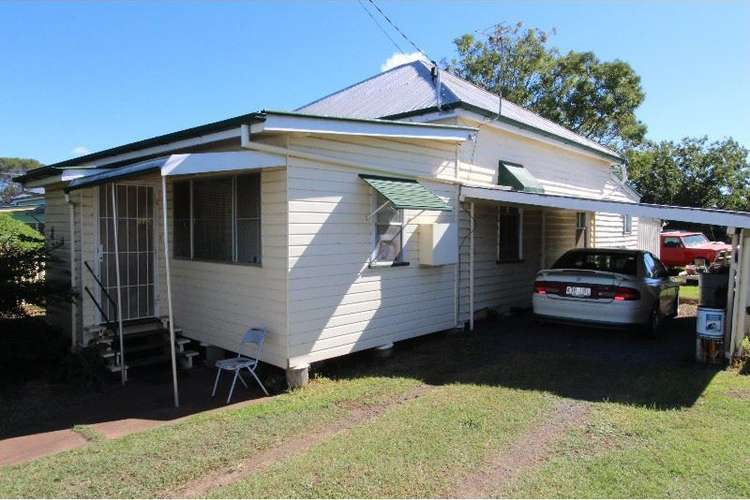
x=438, y=244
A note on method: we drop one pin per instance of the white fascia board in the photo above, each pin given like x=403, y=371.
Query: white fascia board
x=632, y=194
x=65, y=175
x=664, y=212
x=201, y=163
x=367, y=128
x=512, y=129
x=232, y=133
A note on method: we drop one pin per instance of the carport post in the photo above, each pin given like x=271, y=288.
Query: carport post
x=471, y=267
x=543, y=239
x=732, y=284
x=123, y=370
x=169, y=291
x=741, y=296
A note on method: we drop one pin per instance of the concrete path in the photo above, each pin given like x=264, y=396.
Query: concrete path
x=24, y=448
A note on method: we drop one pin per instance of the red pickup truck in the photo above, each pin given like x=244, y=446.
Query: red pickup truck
x=681, y=248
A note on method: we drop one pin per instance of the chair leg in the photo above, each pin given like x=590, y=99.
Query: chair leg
x=258, y=380
x=242, y=379
x=216, y=383
x=234, y=381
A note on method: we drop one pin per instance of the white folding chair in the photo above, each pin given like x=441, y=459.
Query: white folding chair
x=254, y=336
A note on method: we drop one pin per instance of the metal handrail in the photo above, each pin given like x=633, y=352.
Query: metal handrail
x=96, y=303
x=101, y=285
x=102, y=289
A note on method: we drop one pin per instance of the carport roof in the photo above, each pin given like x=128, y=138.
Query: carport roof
x=710, y=216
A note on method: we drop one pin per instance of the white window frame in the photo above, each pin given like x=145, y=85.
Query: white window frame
x=584, y=228
x=627, y=225
x=519, y=257
x=376, y=208
x=234, y=239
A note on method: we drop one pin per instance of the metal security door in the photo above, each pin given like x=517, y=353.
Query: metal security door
x=135, y=231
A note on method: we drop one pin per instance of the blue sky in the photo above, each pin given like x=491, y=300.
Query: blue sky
x=80, y=76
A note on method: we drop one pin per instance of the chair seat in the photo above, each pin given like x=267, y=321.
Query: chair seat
x=234, y=363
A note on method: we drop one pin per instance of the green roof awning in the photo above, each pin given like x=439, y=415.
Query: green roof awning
x=405, y=193
x=518, y=178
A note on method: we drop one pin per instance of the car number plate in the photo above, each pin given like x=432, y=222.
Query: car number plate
x=578, y=291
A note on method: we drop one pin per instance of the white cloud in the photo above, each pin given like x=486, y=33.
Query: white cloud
x=397, y=59
x=81, y=151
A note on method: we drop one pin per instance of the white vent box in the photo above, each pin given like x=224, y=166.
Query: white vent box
x=438, y=244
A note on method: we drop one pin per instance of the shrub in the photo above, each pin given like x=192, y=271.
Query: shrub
x=24, y=258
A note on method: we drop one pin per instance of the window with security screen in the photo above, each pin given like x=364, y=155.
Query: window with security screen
x=388, y=233
x=218, y=219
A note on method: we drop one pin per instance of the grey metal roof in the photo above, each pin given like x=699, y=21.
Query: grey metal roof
x=410, y=89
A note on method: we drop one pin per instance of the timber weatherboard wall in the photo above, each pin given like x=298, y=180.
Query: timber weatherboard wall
x=337, y=302
x=216, y=302
x=560, y=171
x=497, y=285
x=57, y=232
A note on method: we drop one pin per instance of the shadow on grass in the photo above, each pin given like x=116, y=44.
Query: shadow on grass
x=573, y=362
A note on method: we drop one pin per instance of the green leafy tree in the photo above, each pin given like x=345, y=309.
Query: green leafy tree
x=693, y=172
x=593, y=98
x=24, y=258
x=9, y=168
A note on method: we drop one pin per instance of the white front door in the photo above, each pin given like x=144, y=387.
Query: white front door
x=135, y=234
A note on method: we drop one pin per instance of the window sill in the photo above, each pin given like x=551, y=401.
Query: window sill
x=222, y=262
x=510, y=261
x=387, y=264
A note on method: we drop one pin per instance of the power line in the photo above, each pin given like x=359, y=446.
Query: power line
x=381, y=27
x=398, y=30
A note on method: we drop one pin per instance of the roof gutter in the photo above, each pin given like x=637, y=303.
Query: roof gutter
x=158, y=145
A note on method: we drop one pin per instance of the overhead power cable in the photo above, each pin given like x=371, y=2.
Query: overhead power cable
x=399, y=31
x=385, y=32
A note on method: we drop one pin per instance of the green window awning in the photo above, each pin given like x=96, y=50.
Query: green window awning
x=518, y=178
x=405, y=193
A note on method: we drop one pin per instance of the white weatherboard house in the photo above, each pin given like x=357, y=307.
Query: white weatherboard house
x=400, y=206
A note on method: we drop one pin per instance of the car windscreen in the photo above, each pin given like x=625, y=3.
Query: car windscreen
x=622, y=263
x=694, y=240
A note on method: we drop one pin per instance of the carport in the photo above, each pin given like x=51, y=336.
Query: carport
x=737, y=224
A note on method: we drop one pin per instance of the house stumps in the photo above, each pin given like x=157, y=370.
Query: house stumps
x=297, y=376
x=383, y=351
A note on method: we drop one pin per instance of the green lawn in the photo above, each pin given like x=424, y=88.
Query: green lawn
x=630, y=451
x=690, y=292
x=144, y=464
x=655, y=425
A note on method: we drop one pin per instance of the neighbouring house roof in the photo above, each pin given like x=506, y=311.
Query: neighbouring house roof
x=27, y=207
x=411, y=90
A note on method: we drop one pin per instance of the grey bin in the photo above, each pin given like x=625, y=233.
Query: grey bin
x=713, y=290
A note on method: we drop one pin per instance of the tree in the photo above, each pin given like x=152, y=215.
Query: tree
x=692, y=173
x=593, y=98
x=9, y=168
x=21, y=263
